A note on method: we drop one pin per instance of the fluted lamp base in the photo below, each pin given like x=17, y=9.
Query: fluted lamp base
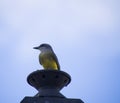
x=49, y=82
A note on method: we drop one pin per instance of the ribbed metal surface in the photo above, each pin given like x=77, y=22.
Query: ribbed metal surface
x=48, y=79
x=49, y=83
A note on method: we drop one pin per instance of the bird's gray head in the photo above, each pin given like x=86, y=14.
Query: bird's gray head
x=44, y=47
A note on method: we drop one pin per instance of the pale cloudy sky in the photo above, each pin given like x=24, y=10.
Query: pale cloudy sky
x=85, y=36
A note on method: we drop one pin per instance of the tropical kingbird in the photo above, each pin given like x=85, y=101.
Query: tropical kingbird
x=47, y=57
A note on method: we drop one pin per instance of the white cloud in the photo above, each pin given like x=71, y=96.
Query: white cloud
x=45, y=14
x=55, y=22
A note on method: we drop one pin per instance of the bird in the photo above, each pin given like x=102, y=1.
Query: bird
x=47, y=57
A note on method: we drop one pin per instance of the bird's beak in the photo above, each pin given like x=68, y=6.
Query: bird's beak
x=35, y=47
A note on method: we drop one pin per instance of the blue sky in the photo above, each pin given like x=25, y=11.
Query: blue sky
x=85, y=36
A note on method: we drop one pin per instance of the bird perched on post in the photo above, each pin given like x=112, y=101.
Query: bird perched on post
x=47, y=57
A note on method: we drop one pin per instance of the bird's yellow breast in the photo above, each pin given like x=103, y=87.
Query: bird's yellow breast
x=47, y=61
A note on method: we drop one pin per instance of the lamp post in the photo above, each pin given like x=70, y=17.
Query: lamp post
x=49, y=83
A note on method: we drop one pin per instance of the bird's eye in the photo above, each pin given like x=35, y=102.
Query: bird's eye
x=43, y=45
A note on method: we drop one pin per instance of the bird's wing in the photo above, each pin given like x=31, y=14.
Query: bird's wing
x=51, y=56
x=55, y=59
